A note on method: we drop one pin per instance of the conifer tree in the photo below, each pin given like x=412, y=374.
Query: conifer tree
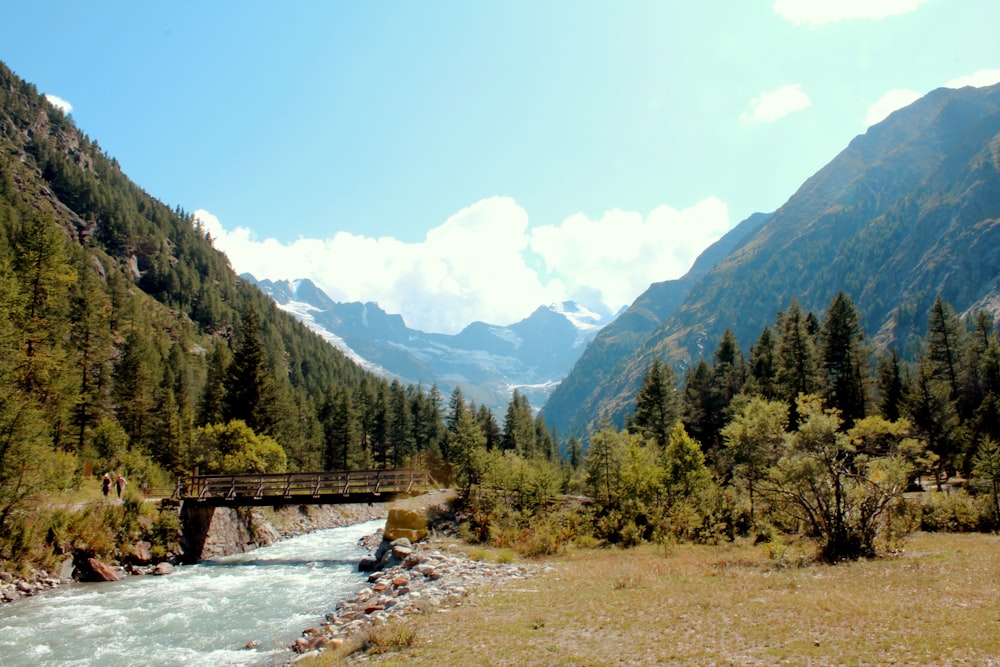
x=844, y=360
x=91, y=339
x=764, y=366
x=891, y=385
x=656, y=405
x=797, y=371
x=945, y=340
x=519, y=427
x=251, y=392
x=340, y=429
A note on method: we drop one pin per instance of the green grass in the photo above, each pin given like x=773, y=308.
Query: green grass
x=937, y=604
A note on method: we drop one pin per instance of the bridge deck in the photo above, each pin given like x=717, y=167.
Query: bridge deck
x=304, y=488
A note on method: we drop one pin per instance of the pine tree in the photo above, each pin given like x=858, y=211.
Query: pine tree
x=891, y=385
x=797, y=372
x=519, y=427
x=764, y=366
x=213, y=398
x=340, y=429
x=656, y=405
x=91, y=339
x=945, y=340
x=490, y=427
x=844, y=360
x=251, y=392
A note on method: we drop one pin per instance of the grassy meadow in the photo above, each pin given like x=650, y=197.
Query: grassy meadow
x=936, y=603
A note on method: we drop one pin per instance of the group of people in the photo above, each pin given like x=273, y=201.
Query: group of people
x=118, y=482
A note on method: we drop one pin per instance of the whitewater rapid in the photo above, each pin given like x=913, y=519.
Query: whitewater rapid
x=202, y=615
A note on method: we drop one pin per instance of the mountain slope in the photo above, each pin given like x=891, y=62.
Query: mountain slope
x=135, y=302
x=487, y=361
x=907, y=211
x=571, y=408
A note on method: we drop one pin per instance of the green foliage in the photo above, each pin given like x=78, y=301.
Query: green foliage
x=656, y=404
x=833, y=483
x=986, y=474
x=955, y=511
x=753, y=440
x=235, y=448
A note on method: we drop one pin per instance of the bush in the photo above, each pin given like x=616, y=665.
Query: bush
x=954, y=512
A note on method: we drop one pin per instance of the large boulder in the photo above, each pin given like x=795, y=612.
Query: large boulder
x=100, y=571
x=405, y=523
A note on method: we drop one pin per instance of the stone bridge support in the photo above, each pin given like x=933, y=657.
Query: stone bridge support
x=208, y=532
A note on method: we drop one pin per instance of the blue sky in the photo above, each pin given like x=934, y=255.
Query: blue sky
x=460, y=161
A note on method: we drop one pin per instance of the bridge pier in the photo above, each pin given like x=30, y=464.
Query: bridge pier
x=196, y=520
x=208, y=531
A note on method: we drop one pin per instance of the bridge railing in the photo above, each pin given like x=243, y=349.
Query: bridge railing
x=301, y=485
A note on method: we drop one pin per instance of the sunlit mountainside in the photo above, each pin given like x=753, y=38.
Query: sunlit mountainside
x=906, y=212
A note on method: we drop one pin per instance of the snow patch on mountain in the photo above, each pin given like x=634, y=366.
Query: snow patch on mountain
x=303, y=312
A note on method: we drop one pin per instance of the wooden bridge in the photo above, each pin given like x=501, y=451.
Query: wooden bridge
x=299, y=488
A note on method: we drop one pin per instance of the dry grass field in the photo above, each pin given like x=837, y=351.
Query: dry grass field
x=936, y=604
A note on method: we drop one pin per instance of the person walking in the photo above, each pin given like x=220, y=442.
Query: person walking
x=120, y=484
x=106, y=485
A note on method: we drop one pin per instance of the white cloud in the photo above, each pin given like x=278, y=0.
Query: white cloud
x=901, y=97
x=816, y=12
x=891, y=101
x=475, y=265
x=775, y=104
x=979, y=79
x=621, y=254
x=59, y=103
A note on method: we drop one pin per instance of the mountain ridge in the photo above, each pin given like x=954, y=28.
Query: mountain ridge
x=487, y=361
x=903, y=213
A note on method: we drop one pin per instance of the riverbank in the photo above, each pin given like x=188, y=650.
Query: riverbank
x=268, y=527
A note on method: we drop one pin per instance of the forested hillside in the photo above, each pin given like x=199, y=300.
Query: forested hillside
x=906, y=213
x=129, y=343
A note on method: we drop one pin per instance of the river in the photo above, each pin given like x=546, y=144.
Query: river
x=202, y=615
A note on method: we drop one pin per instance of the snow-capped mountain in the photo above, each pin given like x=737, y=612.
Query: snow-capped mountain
x=487, y=361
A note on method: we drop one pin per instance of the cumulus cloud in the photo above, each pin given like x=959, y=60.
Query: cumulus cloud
x=773, y=105
x=817, y=12
x=484, y=263
x=59, y=103
x=892, y=100
x=979, y=79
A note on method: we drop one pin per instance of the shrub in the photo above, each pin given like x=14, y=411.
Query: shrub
x=954, y=511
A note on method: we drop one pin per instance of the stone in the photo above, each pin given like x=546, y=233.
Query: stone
x=405, y=523
x=367, y=564
x=66, y=569
x=100, y=571
x=163, y=568
x=142, y=552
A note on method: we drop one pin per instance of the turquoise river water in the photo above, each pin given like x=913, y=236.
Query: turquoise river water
x=202, y=615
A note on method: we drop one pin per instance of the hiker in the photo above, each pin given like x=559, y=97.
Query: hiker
x=106, y=485
x=120, y=483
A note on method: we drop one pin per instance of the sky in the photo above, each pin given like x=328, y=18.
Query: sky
x=464, y=161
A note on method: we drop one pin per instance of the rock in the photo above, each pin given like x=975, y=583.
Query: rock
x=100, y=571
x=66, y=569
x=405, y=523
x=367, y=564
x=142, y=552
x=163, y=568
